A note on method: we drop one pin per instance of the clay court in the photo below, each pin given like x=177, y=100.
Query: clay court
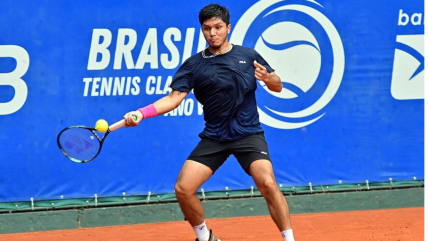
x=404, y=224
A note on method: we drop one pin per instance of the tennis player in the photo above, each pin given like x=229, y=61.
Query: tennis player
x=224, y=80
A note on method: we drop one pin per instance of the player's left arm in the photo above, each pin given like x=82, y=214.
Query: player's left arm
x=272, y=81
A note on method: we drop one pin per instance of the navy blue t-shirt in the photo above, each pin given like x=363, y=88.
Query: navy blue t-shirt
x=225, y=85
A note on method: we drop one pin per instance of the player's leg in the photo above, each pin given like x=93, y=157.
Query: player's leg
x=191, y=177
x=253, y=155
x=204, y=160
x=263, y=176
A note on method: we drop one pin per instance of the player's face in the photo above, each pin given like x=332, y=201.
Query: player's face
x=215, y=32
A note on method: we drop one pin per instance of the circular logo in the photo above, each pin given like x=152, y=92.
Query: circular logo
x=306, y=51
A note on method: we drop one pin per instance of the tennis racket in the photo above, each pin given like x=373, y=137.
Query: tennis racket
x=81, y=144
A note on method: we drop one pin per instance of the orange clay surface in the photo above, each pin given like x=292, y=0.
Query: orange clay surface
x=403, y=224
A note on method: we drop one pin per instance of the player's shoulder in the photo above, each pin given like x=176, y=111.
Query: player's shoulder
x=244, y=49
x=192, y=61
x=195, y=58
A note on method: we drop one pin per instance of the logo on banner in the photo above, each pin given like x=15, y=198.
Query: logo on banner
x=306, y=51
x=408, y=70
x=14, y=78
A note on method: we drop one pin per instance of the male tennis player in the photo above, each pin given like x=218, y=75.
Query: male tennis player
x=223, y=78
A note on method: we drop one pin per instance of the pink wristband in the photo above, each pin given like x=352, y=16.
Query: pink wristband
x=148, y=111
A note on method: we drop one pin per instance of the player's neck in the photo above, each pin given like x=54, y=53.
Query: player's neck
x=224, y=48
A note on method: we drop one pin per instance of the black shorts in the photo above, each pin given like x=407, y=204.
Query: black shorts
x=214, y=153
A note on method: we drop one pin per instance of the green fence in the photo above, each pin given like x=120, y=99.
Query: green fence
x=98, y=201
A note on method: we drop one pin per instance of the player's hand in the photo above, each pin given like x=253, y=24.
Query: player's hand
x=129, y=118
x=260, y=72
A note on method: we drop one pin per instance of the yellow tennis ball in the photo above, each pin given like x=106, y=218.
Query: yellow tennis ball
x=101, y=125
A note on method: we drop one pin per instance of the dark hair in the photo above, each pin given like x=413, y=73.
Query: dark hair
x=214, y=10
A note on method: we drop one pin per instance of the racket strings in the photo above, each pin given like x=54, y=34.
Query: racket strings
x=79, y=143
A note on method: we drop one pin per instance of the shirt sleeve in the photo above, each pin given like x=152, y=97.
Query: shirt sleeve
x=183, y=78
x=263, y=62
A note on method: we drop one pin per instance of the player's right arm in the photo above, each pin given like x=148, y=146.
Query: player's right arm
x=170, y=102
x=161, y=106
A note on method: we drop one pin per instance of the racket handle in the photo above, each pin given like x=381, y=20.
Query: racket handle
x=119, y=124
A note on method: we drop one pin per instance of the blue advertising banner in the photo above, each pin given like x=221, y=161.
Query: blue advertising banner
x=351, y=108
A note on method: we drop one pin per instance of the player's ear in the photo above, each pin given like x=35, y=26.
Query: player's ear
x=229, y=27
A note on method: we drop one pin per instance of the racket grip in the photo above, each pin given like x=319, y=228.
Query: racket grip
x=119, y=124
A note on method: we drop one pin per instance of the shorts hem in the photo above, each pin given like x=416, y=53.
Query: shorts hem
x=202, y=162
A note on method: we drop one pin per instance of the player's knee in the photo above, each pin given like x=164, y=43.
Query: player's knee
x=178, y=189
x=182, y=190
x=268, y=186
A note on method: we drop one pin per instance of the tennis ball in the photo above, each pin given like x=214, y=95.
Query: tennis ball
x=101, y=125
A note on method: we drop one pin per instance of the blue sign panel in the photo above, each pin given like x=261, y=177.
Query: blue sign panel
x=351, y=108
